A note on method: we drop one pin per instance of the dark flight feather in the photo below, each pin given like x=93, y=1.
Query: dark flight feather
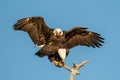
x=81, y=36
x=36, y=28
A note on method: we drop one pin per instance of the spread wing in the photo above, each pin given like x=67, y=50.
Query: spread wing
x=36, y=27
x=81, y=36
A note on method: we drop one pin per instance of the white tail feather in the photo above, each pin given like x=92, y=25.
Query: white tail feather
x=62, y=53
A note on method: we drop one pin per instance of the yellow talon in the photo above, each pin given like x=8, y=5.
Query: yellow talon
x=55, y=62
x=58, y=64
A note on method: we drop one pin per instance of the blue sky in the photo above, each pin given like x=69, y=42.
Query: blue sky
x=17, y=59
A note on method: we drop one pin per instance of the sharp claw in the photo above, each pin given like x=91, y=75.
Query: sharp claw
x=55, y=62
x=58, y=64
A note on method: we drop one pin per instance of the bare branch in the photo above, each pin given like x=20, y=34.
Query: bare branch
x=74, y=71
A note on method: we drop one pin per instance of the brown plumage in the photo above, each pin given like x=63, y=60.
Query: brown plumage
x=36, y=28
x=81, y=36
x=41, y=34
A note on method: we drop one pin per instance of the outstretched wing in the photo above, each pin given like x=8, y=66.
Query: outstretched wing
x=81, y=36
x=37, y=29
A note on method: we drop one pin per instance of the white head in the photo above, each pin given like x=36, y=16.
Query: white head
x=58, y=32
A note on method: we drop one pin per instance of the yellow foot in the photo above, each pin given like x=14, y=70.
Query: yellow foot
x=58, y=64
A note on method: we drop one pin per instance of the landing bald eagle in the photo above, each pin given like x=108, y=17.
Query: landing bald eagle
x=56, y=43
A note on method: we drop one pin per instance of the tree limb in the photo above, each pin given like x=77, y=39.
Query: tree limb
x=74, y=71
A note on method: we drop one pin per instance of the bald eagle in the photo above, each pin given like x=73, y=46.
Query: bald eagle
x=55, y=43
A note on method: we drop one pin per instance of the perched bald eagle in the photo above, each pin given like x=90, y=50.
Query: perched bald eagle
x=55, y=43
